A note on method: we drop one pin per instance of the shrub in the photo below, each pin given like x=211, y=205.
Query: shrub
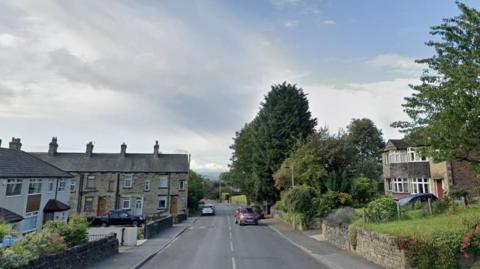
x=363, y=190
x=5, y=229
x=11, y=260
x=382, y=209
x=74, y=233
x=352, y=236
x=40, y=243
x=295, y=218
x=344, y=199
x=326, y=203
x=300, y=199
x=440, y=207
x=341, y=216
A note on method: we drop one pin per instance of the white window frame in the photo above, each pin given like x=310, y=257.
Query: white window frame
x=28, y=217
x=421, y=185
x=181, y=185
x=72, y=186
x=399, y=185
x=163, y=179
x=123, y=203
x=36, y=182
x=14, y=182
x=62, y=184
x=127, y=179
x=163, y=198
x=91, y=178
x=146, y=186
x=51, y=185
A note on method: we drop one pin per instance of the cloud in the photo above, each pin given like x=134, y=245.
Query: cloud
x=291, y=24
x=396, y=63
x=329, y=22
x=285, y=3
x=208, y=167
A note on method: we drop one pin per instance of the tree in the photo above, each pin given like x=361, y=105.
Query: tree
x=367, y=141
x=445, y=107
x=284, y=118
x=196, y=189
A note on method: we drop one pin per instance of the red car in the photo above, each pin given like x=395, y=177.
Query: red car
x=246, y=215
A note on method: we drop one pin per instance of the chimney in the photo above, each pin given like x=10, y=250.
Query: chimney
x=15, y=144
x=89, y=151
x=155, y=149
x=52, y=147
x=123, y=150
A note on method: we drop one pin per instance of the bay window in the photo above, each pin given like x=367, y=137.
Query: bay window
x=420, y=185
x=399, y=185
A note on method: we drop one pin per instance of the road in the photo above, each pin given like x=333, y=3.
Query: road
x=215, y=242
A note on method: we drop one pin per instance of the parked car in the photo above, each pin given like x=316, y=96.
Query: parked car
x=246, y=215
x=259, y=211
x=412, y=199
x=118, y=217
x=208, y=209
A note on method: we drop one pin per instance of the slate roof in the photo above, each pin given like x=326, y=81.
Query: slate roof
x=55, y=206
x=114, y=162
x=399, y=143
x=19, y=164
x=9, y=216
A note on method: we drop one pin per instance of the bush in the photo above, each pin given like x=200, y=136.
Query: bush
x=341, y=216
x=74, y=233
x=5, y=229
x=11, y=260
x=326, y=203
x=352, y=236
x=300, y=199
x=363, y=190
x=40, y=243
x=344, y=199
x=279, y=205
x=295, y=218
x=382, y=209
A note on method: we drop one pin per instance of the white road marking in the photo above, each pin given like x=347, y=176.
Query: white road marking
x=231, y=246
x=234, y=265
x=230, y=235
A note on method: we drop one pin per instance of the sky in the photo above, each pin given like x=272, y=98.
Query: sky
x=191, y=73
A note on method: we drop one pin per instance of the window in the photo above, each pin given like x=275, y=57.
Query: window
x=14, y=187
x=51, y=185
x=163, y=181
x=62, y=184
x=162, y=202
x=126, y=203
x=35, y=186
x=389, y=184
x=399, y=185
x=127, y=181
x=147, y=185
x=420, y=185
x=415, y=157
x=88, y=207
x=181, y=185
x=30, y=221
x=110, y=185
x=72, y=186
x=91, y=182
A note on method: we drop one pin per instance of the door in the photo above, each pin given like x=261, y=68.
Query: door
x=173, y=206
x=138, y=210
x=102, y=206
x=439, y=189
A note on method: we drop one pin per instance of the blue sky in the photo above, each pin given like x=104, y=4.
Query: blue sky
x=191, y=73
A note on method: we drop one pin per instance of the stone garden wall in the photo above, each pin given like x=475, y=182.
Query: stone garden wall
x=79, y=256
x=154, y=228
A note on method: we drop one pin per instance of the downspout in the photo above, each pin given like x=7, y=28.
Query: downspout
x=56, y=188
x=80, y=193
x=187, y=184
x=117, y=192
x=168, y=194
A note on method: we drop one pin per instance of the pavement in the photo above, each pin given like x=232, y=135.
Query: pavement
x=135, y=257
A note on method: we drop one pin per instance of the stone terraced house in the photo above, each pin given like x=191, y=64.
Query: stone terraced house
x=145, y=183
x=406, y=172
x=31, y=190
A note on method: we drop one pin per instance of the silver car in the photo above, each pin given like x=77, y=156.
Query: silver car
x=208, y=209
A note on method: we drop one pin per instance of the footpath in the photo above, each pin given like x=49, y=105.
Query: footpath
x=135, y=257
x=324, y=252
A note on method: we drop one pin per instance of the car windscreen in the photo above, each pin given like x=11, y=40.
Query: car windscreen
x=246, y=210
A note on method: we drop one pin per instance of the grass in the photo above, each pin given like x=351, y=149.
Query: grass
x=239, y=199
x=424, y=226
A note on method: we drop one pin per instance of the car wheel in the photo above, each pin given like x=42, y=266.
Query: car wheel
x=135, y=224
x=104, y=224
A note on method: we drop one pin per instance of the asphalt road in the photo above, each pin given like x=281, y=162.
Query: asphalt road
x=216, y=242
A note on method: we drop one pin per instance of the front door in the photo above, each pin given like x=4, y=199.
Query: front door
x=138, y=210
x=102, y=206
x=439, y=189
x=173, y=206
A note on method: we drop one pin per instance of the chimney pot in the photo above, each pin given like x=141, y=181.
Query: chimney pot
x=155, y=149
x=89, y=150
x=52, y=147
x=15, y=144
x=123, y=150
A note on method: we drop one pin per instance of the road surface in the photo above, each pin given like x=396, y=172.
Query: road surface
x=216, y=242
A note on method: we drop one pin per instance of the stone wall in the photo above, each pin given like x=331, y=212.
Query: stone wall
x=179, y=218
x=154, y=228
x=79, y=256
x=375, y=247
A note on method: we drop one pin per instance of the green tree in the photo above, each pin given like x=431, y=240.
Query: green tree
x=196, y=189
x=363, y=190
x=284, y=118
x=367, y=142
x=445, y=107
